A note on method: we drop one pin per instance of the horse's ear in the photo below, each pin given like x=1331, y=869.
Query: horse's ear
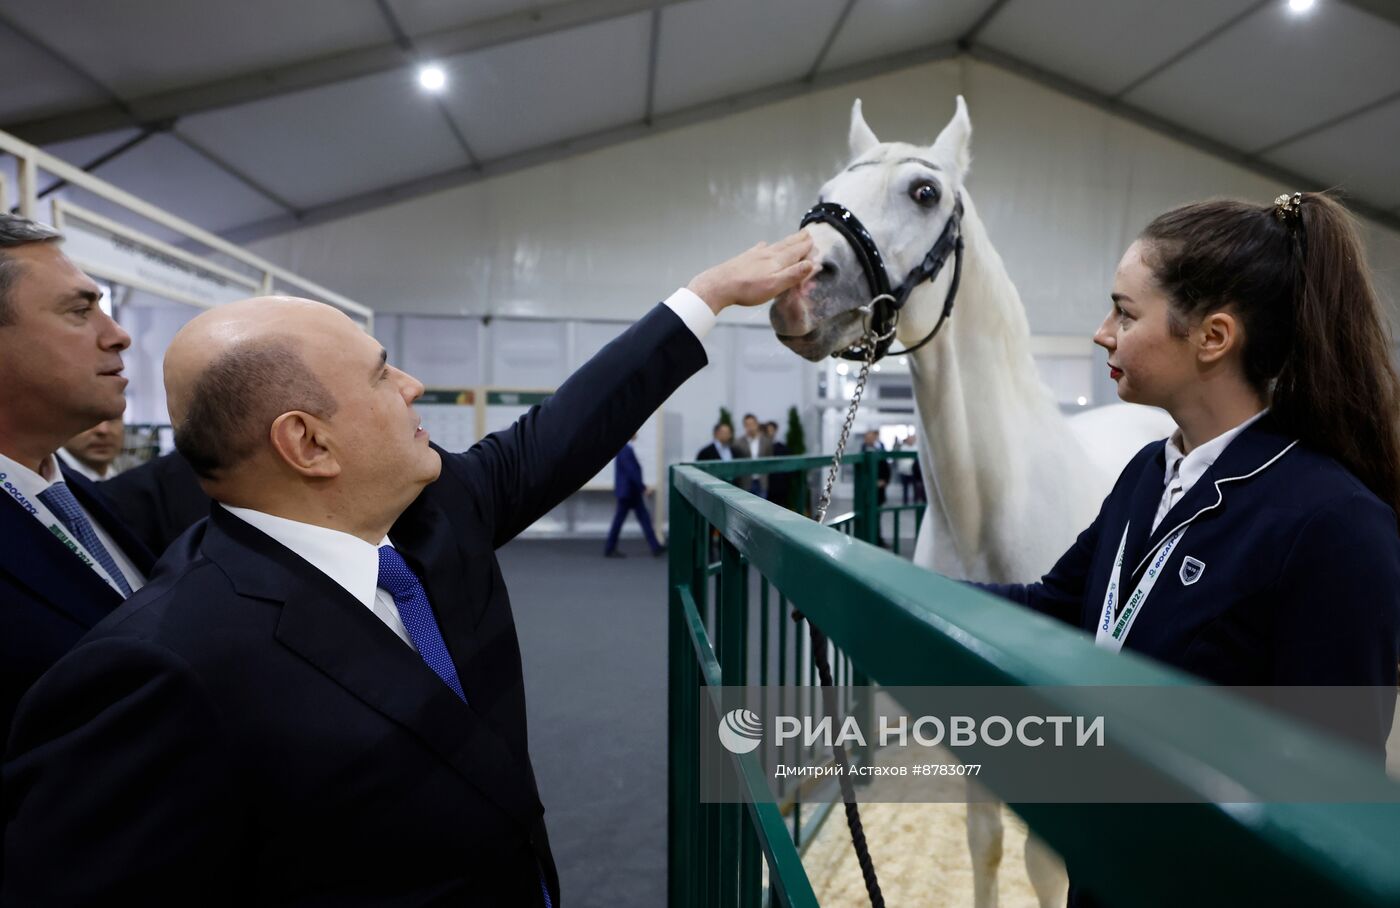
x=862, y=136
x=955, y=141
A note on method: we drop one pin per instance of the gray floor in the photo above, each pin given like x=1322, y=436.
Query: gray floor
x=593, y=639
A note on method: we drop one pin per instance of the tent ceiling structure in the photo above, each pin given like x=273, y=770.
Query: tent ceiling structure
x=256, y=117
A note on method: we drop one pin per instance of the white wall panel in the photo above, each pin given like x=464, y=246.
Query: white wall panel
x=440, y=352
x=527, y=354
x=152, y=323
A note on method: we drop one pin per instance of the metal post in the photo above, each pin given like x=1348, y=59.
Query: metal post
x=682, y=754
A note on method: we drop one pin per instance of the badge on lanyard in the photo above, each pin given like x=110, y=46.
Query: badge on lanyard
x=1114, y=623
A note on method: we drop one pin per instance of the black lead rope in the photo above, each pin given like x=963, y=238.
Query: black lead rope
x=885, y=305
x=848, y=792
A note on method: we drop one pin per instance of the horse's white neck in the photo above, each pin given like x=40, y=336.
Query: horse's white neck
x=991, y=432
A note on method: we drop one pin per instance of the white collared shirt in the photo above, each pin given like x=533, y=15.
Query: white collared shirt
x=348, y=560
x=695, y=312
x=30, y=484
x=1183, y=470
x=82, y=469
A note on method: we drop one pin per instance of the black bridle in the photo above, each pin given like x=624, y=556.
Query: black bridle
x=886, y=302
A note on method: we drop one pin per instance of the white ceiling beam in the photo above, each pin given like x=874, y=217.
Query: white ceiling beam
x=327, y=70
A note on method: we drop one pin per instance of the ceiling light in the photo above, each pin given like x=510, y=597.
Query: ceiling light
x=1082, y=401
x=432, y=78
x=1300, y=6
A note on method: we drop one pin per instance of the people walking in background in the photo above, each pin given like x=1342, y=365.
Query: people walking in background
x=631, y=499
x=92, y=452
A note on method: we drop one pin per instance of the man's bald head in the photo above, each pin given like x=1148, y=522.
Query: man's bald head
x=232, y=371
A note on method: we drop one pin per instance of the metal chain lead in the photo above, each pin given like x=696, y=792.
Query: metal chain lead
x=824, y=502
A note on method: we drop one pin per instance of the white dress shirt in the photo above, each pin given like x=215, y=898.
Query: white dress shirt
x=1183, y=470
x=30, y=484
x=82, y=469
x=348, y=560
x=695, y=312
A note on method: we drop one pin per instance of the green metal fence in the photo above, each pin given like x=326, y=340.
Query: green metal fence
x=892, y=623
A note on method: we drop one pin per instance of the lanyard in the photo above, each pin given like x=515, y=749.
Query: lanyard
x=1113, y=629
x=56, y=527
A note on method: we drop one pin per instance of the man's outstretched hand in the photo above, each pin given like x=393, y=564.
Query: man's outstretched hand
x=756, y=276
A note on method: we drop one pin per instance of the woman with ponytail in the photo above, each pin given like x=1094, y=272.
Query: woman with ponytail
x=1258, y=545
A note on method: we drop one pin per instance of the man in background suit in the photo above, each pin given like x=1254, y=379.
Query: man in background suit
x=719, y=448
x=779, y=484
x=631, y=498
x=66, y=560
x=159, y=499
x=93, y=453
x=753, y=443
x=322, y=701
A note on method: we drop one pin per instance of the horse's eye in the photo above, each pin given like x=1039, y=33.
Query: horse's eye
x=925, y=192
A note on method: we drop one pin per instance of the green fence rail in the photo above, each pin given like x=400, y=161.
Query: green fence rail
x=899, y=625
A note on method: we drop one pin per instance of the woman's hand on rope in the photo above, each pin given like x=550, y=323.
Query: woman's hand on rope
x=754, y=277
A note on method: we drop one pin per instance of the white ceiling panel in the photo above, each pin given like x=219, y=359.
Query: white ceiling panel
x=1345, y=156
x=542, y=90
x=33, y=84
x=1276, y=73
x=1084, y=40
x=325, y=144
x=139, y=47
x=420, y=17
x=881, y=28
x=716, y=48
x=168, y=174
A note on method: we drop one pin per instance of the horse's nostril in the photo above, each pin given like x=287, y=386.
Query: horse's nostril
x=828, y=271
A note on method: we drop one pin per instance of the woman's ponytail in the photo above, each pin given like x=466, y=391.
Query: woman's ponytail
x=1316, y=343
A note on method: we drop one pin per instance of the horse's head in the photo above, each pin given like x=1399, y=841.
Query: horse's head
x=904, y=195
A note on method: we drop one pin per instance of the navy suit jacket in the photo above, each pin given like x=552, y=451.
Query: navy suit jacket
x=244, y=732
x=48, y=598
x=1300, y=583
x=158, y=500
x=627, y=475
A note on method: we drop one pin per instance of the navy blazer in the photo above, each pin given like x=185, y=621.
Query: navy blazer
x=159, y=500
x=48, y=598
x=1299, y=581
x=244, y=732
x=627, y=475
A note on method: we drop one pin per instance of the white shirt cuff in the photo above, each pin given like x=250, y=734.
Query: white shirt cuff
x=695, y=312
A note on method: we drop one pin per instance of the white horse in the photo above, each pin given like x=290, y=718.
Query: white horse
x=1011, y=480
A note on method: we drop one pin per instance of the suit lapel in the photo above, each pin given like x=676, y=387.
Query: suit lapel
x=35, y=558
x=1147, y=496
x=331, y=630
x=95, y=503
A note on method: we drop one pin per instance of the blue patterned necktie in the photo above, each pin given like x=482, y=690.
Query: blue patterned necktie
x=411, y=600
x=60, y=500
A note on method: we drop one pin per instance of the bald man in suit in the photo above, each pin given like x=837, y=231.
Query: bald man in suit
x=324, y=704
